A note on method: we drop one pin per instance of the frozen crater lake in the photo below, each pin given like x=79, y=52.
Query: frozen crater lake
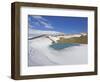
x=42, y=52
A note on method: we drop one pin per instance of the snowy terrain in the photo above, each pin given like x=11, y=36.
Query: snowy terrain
x=34, y=33
x=40, y=54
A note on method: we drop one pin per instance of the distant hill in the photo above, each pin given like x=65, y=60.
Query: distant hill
x=58, y=36
x=34, y=33
x=83, y=39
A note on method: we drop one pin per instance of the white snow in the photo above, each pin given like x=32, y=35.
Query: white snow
x=40, y=54
x=40, y=32
x=70, y=36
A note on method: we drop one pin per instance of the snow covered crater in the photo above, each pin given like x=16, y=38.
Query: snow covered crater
x=41, y=54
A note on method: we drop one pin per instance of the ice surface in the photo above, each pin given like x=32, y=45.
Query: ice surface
x=40, y=54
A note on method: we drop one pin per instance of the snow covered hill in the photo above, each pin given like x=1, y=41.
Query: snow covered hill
x=41, y=54
x=33, y=32
x=53, y=34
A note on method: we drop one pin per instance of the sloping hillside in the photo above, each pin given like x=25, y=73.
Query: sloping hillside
x=82, y=40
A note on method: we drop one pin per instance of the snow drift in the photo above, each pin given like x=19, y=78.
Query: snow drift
x=40, y=54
